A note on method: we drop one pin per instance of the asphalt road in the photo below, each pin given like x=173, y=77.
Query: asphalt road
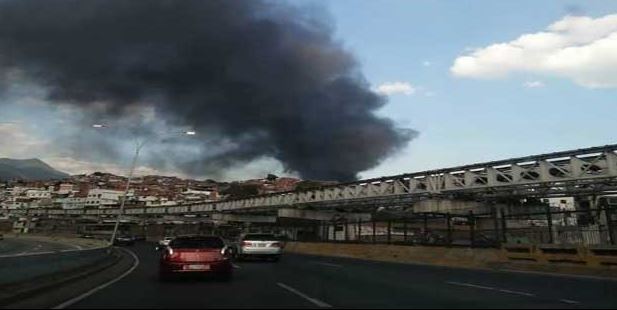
x=311, y=282
x=25, y=246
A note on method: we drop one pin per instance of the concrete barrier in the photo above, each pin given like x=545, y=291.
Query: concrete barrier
x=519, y=252
x=561, y=254
x=575, y=260
x=443, y=256
x=602, y=256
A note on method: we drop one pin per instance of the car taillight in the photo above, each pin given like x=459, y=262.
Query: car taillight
x=246, y=243
x=171, y=254
x=225, y=253
x=275, y=244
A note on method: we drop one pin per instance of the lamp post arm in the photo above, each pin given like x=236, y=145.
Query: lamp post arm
x=138, y=148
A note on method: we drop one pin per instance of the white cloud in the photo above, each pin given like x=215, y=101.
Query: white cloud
x=533, y=84
x=393, y=88
x=579, y=48
x=72, y=165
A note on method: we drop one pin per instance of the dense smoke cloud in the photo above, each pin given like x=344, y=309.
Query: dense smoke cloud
x=262, y=79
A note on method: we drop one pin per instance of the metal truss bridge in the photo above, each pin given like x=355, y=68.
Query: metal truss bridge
x=589, y=171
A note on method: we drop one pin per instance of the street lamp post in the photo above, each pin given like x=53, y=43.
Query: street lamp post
x=138, y=146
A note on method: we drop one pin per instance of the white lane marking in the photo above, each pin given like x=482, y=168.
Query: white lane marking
x=235, y=266
x=328, y=264
x=489, y=288
x=567, y=301
x=26, y=254
x=46, y=252
x=517, y=293
x=559, y=275
x=314, y=301
x=472, y=285
x=70, y=302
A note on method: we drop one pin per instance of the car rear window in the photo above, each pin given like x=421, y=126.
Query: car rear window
x=198, y=243
x=260, y=237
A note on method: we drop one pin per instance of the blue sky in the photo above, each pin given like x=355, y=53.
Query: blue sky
x=463, y=114
x=471, y=120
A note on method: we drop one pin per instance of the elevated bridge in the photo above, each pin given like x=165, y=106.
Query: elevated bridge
x=589, y=171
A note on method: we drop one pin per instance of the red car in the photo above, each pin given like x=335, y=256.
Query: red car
x=196, y=255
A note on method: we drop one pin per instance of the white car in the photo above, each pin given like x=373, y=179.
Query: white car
x=266, y=246
x=165, y=241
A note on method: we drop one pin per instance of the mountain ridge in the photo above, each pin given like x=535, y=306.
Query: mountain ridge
x=32, y=169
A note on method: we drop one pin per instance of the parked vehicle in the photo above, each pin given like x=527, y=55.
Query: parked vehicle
x=265, y=246
x=124, y=240
x=196, y=255
x=165, y=241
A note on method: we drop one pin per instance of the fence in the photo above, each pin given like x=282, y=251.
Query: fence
x=582, y=227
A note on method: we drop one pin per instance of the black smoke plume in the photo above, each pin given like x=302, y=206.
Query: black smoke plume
x=265, y=78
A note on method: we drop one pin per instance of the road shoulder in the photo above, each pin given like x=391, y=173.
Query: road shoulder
x=77, y=284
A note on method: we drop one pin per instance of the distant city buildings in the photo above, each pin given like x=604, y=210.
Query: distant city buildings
x=105, y=190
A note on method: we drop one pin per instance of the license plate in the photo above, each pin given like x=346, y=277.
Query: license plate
x=197, y=267
x=261, y=245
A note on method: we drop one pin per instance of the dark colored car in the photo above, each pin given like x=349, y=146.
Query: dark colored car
x=124, y=240
x=196, y=255
x=140, y=238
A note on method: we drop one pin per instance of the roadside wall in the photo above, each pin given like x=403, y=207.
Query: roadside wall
x=454, y=257
x=564, y=260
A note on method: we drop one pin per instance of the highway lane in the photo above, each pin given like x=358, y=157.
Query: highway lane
x=310, y=282
x=25, y=246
